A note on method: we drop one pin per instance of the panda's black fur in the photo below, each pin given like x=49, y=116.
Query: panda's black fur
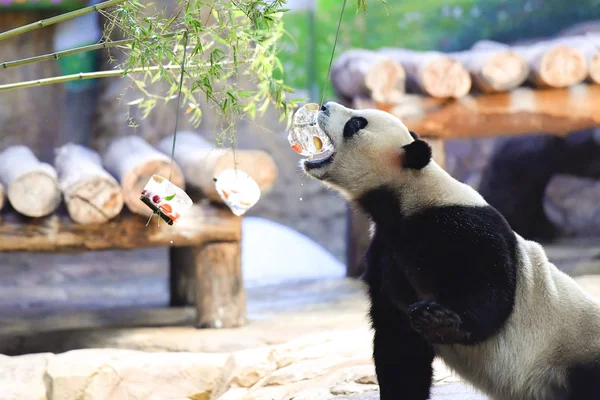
x=447, y=280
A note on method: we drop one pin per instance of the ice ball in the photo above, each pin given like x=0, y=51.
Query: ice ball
x=306, y=137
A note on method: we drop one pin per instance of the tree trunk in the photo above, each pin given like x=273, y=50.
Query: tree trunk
x=432, y=73
x=201, y=162
x=32, y=186
x=133, y=161
x=494, y=70
x=91, y=194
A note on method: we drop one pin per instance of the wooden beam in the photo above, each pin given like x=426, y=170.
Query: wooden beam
x=522, y=111
x=202, y=223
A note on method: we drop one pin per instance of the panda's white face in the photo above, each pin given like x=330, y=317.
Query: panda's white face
x=368, y=149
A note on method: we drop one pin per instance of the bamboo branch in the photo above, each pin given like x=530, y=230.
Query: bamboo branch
x=58, y=54
x=59, y=18
x=95, y=75
x=83, y=76
x=76, y=50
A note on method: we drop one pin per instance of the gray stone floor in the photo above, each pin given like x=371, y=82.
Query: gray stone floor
x=63, y=302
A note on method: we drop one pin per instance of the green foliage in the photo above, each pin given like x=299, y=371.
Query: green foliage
x=227, y=40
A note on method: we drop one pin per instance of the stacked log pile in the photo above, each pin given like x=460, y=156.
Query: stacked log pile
x=387, y=76
x=96, y=187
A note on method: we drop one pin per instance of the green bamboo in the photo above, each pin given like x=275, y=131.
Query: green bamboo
x=82, y=76
x=58, y=54
x=59, y=18
x=83, y=49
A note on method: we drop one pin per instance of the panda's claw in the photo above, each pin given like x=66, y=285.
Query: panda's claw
x=437, y=324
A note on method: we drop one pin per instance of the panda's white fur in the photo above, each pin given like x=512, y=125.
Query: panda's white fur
x=548, y=346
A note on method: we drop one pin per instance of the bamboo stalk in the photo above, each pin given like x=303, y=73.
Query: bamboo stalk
x=59, y=18
x=95, y=75
x=58, y=54
x=83, y=49
x=82, y=76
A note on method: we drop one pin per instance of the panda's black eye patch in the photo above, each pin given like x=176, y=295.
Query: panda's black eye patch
x=353, y=126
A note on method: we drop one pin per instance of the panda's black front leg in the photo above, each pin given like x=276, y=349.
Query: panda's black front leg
x=437, y=324
x=403, y=359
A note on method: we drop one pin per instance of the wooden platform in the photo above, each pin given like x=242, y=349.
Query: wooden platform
x=202, y=223
x=522, y=111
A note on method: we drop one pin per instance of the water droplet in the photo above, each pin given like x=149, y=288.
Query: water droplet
x=300, y=198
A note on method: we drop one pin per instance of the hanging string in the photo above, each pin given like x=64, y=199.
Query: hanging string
x=185, y=42
x=333, y=53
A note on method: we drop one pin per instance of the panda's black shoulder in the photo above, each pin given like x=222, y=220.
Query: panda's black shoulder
x=471, y=234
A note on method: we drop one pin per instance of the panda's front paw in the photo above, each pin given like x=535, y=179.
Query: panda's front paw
x=437, y=324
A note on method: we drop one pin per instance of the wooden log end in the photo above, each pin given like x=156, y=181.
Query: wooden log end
x=386, y=80
x=35, y=194
x=258, y=164
x=503, y=71
x=594, y=68
x=94, y=200
x=134, y=181
x=445, y=78
x=561, y=66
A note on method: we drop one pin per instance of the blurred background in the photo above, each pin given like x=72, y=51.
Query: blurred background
x=532, y=150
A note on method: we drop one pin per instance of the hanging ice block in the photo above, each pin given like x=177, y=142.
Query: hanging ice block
x=306, y=137
x=164, y=198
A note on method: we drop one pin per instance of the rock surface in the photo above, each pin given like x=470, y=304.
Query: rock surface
x=330, y=365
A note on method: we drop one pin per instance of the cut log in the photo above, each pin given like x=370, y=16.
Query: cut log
x=133, y=161
x=91, y=194
x=31, y=186
x=349, y=70
x=589, y=45
x=386, y=81
x=432, y=73
x=494, y=69
x=201, y=162
x=554, y=64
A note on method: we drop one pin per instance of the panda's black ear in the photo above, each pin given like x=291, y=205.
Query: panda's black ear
x=414, y=135
x=416, y=154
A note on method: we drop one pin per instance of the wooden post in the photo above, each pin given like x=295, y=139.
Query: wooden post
x=182, y=277
x=357, y=223
x=210, y=276
x=1, y=196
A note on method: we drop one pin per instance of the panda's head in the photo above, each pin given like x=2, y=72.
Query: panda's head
x=372, y=148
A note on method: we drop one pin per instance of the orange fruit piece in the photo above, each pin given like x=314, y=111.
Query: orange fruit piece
x=297, y=148
x=166, y=208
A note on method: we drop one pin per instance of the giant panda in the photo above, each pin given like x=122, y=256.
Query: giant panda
x=447, y=276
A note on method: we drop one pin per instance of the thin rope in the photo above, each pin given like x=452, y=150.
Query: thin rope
x=333, y=52
x=185, y=42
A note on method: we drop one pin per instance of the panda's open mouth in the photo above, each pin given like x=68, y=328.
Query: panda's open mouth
x=323, y=160
x=315, y=164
